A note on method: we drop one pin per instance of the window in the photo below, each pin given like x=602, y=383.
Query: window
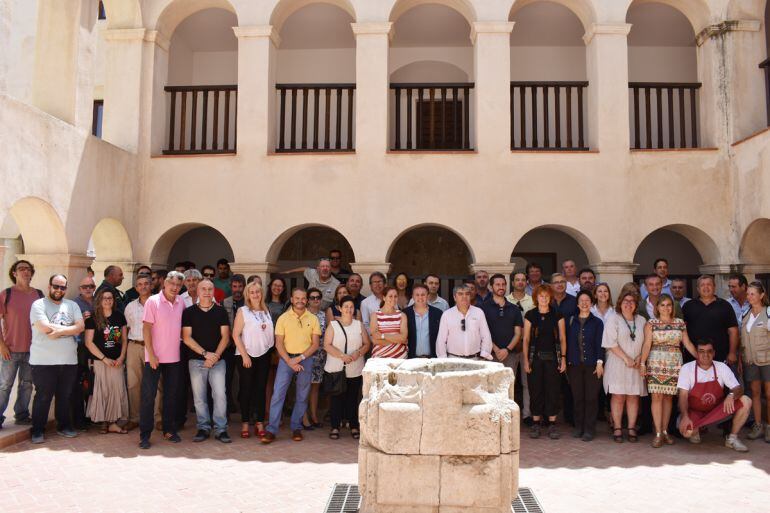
x=96, y=125
x=102, y=15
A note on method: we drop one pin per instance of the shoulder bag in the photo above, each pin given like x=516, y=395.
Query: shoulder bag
x=336, y=383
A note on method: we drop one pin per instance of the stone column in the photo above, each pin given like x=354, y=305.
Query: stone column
x=750, y=271
x=73, y=266
x=492, y=93
x=615, y=274
x=365, y=269
x=504, y=268
x=123, y=87
x=721, y=272
x=607, y=68
x=256, y=88
x=372, y=82
x=261, y=269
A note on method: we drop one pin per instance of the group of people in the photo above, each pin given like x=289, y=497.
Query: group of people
x=132, y=360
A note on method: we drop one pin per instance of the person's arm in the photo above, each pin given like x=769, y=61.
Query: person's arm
x=367, y=344
x=291, y=362
x=377, y=339
x=123, y=345
x=314, y=345
x=5, y=352
x=294, y=270
x=224, y=341
x=94, y=349
x=736, y=390
x=486, y=345
x=329, y=345
x=599, y=350
x=329, y=319
x=689, y=345
x=685, y=424
x=563, y=344
x=237, y=331
x=732, y=333
x=525, y=345
x=646, y=347
x=442, y=337
x=402, y=337
x=152, y=359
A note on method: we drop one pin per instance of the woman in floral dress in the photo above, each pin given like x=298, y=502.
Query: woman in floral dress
x=661, y=361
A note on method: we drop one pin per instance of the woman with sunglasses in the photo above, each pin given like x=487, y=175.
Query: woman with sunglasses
x=389, y=329
x=623, y=340
x=105, y=338
x=310, y=421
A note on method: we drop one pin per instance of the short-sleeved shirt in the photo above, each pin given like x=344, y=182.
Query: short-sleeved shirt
x=327, y=288
x=134, y=313
x=502, y=321
x=57, y=351
x=725, y=376
x=545, y=329
x=17, y=331
x=568, y=306
x=710, y=321
x=108, y=338
x=223, y=285
x=166, y=320
x=206, y=326
x=297, y=330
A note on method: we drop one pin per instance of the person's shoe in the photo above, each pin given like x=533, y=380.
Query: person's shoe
x=144, y=443
x=223, y=437
x=577, y=433
x=767, y=433
x=553, y=433
x=658, y=441
x=296, y=435
x=757, y=430
x=201, y=435
x=668, y=438
x=172, y=437
x=695, y=438
x=587, y=437
x=67, y=433
x=534, y=430
x=267, y=438
x=26, y=421
x=37, y=438
x=734, y=443
x=528, y=421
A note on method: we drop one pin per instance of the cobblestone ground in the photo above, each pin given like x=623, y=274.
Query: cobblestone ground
x=109, y=473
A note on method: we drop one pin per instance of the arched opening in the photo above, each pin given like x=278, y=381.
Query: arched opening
x=110, y=245
x=754, y=252
x=200, y=74
x=40, y=226
x=431, y=249
x=196, y=243
x=315, y=78
x=550, y=246
x=663, y=77
x=430, y=109
x=548, y=77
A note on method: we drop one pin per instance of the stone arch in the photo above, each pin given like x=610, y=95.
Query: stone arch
x=464, y=7
x=702, y=242
x=40, y=226
x=164, y=247
x=176, y=11
x=316, y=230
x=285, y=8
x=413, y=71
x=111, y=242
x=583, y=9
x=754, y=248
x=561, y=241
x=698, y=12
x=123, y=14
x=430, y=247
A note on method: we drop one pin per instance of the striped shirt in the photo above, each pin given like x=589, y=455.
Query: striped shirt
x=389, y=323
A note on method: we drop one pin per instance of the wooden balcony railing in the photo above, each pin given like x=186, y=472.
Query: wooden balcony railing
x=548, y=115
x=431, y=116
x=765, y=67
x=202, y=119
x=305, y=103
x=674, y=121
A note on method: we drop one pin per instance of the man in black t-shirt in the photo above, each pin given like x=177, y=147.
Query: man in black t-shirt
x=710, y=317
x=206, y=331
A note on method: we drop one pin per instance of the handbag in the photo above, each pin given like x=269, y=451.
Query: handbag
x=336, y=383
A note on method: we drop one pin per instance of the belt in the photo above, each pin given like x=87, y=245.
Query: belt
x=294, y=355
x=140, y=342
x=465, y=355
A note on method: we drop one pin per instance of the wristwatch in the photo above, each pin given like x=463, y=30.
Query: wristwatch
x=302, y=357
x=204, y=353
x=382, y=336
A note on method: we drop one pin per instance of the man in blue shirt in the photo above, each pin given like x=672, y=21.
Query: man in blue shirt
x=422, y=323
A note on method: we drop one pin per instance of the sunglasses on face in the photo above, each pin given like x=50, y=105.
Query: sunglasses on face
x=59, y=287
x=208, y=275
x=88, y=286
x=315, y=298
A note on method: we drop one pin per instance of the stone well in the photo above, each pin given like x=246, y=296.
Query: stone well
x=438, y=436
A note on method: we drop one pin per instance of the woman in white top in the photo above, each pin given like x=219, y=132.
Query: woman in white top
x=346, y=342
x=602, y=302
x=253, y=336
x=623, y=339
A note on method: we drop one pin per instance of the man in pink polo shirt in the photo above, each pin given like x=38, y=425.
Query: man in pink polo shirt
x=162, y=329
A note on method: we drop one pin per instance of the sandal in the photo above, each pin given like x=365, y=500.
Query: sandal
x=617, y=435
x=632, y=437
x=334, y=434
x=245, y=432
x=104, y=429
x=355, y=433
x=259, y=429
x=119, y=429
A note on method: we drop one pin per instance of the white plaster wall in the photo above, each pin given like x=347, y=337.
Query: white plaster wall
x=17, y=60
x=662, y=64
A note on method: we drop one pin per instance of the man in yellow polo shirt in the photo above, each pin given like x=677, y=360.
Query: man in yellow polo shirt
x=297, y=337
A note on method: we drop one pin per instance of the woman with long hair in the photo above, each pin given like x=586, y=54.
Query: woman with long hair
x=403, y=286
x=105, y=338
x=603, y=306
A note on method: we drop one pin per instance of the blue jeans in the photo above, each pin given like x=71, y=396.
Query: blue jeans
x=19, y=363
x=200, y=378
x=282, y=381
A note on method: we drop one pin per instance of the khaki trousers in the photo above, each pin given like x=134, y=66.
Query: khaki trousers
x=134, y=369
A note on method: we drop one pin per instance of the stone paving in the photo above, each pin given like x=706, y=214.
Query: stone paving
x=109, y=473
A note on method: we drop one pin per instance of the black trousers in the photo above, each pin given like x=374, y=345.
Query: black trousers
x=171, y=373
x=52, y=381
x=585, y=394
x=252, y=385
x=183, y=391
x=78, y=398
x=230, y=364
x=544, y=387
x=345, y=406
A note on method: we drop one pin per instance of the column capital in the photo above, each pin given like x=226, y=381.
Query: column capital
x=754, y=268
x=620, y=29
x=248, y=268
x=718, y=268
x=63, y=260
x=718, y=29
x=135, y=34
x=504, y=268
x=615, y=267
x=370, y=267
x=373, y=28
x=490, y=27
x=159, y=38
x=258, y=31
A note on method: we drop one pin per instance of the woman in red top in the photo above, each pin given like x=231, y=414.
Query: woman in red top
x=389, y=331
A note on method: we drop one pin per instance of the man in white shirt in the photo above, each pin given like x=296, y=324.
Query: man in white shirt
x=433, y=283
x=463, y=331
x=702, y=401
x=135, y=351
x=660, y=267
x=372, y=303
x=569, y=270
x=191, y=279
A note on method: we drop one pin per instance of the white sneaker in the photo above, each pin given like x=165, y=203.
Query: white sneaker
x=734, y=443
x=756, y=432
x=695, y=437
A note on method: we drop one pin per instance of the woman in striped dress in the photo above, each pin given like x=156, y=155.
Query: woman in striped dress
x=388, y=326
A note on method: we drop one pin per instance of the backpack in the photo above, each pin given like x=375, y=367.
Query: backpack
x=8, y=291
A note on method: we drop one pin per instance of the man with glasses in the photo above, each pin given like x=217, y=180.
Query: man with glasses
x=463, y=330
x=565, y=304
x=15, y=338
x=297, y=337
x=339, y=272
x=85, y=301
x=372, y=303
x=53, y=356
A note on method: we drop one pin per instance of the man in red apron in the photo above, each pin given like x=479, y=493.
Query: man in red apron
x=702, y=398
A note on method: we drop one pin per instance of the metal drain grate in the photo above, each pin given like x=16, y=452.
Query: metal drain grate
x=526, y=502
x=346, y=499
